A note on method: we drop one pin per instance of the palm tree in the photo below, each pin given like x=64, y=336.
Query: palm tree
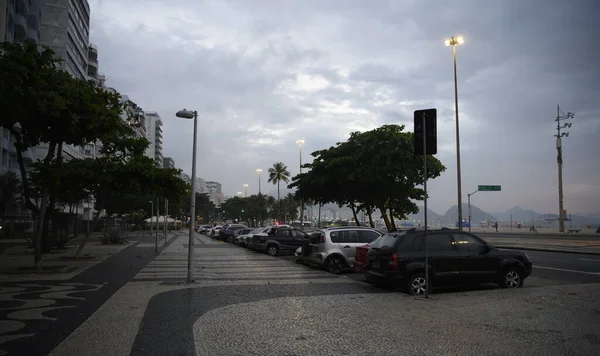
x=278, y=173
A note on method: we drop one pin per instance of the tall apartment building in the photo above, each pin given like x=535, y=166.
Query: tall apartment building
x=168, y=162
x=199, y=187
x=19, y=21
x=214, y=192
x=155, y=135
x=66, y=29
x=92, y=68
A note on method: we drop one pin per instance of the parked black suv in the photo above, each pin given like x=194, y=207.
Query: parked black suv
x=279, y=239
x=455, y=257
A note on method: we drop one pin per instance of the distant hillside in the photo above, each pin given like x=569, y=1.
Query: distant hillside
x=451, y=216
x=517, y=213
x=431, y=216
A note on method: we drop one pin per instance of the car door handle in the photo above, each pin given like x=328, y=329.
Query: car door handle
x=347, y=246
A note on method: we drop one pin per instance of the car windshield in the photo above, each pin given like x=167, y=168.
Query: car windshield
x=386, y=240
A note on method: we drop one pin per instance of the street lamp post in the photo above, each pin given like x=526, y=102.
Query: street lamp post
x=246, y=190
x=151, y=213
x=259, y=171
x=455, y=41
x=300, y=142
x=187, y=114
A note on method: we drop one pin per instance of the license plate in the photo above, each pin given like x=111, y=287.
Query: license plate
x=375, y=265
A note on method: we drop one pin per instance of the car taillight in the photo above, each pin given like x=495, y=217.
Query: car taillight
x=322, y=238
x=393, y=263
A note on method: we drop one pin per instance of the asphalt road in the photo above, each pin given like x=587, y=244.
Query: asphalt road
x=549, y=268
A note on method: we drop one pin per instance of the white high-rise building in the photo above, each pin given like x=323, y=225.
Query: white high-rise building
x=154, y=135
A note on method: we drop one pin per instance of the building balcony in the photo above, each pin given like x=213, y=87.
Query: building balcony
x=92, y=52
x=33, y=35
x=20, y=26
x=92, y=68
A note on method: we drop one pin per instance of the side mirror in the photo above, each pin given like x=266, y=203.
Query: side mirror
x=487, y=248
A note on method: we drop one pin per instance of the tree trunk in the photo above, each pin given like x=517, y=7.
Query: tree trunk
x=53, y=213
x=24, y=179
x=43, y=206
x=370, y=213
x=385, y=218
x=354, y=214
x=40, y=227
x=69, y=218
x=319, y=223
x=88, y=234
x=278, y=203
x=45, y=227
x=392, y=222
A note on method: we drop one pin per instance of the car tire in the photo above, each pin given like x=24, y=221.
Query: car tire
x=272, y=250
x=512, y=277
x=417, y=284
x=334, y=265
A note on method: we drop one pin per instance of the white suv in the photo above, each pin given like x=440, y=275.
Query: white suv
x=334, y=248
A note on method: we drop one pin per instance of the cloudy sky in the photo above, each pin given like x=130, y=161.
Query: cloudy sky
x=265, y=73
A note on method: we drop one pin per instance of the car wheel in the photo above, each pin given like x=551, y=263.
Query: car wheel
x=334, y=265
x=272, y=250
x=511, y=278
x=417, y=284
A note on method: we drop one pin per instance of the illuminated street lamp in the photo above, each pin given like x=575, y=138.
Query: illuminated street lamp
x=455, y=41
x=301, y=142
x=259, y=171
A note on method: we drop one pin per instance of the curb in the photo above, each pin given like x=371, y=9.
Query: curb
x=575, y=252
x=533, y=234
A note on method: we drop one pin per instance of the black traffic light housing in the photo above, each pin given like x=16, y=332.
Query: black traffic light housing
x=430, y=116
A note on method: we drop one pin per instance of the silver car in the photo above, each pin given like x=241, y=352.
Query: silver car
x=334, y=248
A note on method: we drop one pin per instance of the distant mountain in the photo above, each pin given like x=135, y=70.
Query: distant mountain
x=477, y=215
x=517, y=213
x=431, y=216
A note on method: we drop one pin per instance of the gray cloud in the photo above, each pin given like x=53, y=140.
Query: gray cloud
x=263, y=74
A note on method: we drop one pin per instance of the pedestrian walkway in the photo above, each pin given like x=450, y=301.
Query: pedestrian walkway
x=215, y=260
x=37, y=313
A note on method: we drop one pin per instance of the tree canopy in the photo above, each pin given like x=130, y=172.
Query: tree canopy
x=375, y=169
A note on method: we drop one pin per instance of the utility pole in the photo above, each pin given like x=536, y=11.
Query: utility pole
x=559, y=135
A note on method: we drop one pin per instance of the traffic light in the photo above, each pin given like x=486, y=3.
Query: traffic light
x=429, y=117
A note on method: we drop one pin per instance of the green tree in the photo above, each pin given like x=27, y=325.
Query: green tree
x=372, y=169
x=277, y=174
x=291, y=204
x=40, y=103
x=10, y=188
x=235, y=208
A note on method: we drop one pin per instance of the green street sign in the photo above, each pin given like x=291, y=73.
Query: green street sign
x=489, y=188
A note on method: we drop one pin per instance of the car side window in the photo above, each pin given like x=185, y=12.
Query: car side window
x=283, y=232
x=299, y=234
x=418, y=244
x=349, y=236
x=466, y=242
x=367, y=236
x=336, y=237
x=439, y=242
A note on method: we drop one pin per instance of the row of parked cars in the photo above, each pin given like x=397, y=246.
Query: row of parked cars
x=394, y=258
